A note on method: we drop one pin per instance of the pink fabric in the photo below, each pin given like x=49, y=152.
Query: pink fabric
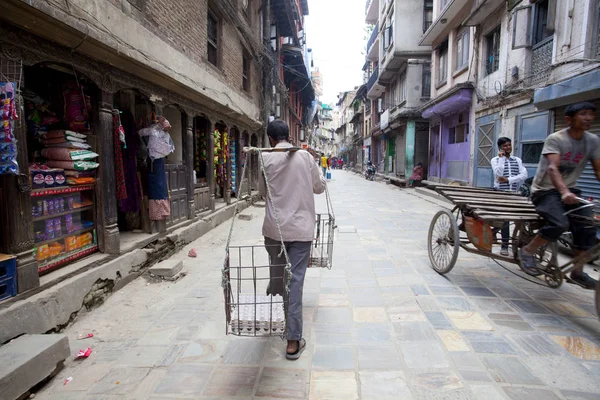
x=417, y=174
x=159, y=209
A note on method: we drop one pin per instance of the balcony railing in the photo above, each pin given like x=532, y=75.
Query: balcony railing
x=373, y=78
x=541, y=61
x=373, y=37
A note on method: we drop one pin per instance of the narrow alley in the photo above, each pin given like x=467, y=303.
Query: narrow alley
x=381, y=324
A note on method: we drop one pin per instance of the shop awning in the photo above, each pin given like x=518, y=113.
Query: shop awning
x=448, y=104
x=584, y=87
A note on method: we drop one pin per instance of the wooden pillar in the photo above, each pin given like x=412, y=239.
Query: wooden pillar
x=210, y=174
x=188, y=159
x=107, y=228
x=15, y=212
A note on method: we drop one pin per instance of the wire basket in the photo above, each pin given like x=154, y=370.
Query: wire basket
x=255, y=292
x=321, y=254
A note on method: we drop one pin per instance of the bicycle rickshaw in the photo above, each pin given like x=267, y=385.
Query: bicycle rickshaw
x=471, y=225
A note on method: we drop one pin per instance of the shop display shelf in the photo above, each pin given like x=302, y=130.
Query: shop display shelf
x=61, y=190
x=67, y=258
x=61, y=237
x=73, y=211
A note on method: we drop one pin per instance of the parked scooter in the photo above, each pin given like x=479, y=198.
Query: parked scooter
x=370, y=171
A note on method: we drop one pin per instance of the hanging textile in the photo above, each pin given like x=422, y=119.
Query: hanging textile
x=218, y=166
x=119, y=169
x=158, y=191
x=132, y=202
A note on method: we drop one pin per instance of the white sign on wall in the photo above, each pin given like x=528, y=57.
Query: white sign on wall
x=385, y=119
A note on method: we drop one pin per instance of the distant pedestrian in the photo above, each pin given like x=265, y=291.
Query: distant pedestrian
x=417, y=175
x=340, y=163
x=509, y=174
x=324, y=165
x=293, y=179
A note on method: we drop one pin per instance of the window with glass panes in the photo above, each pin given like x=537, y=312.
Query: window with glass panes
x=442, y=62
x=213, y=39
x=462, y=50
x=492, y=41
x=427, y=14
x=426, y=80
x=533, y=130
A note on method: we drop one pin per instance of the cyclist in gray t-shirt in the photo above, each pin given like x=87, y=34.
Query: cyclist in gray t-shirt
x=564, y=156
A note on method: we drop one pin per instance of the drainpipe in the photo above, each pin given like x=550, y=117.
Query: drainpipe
x=267, y=72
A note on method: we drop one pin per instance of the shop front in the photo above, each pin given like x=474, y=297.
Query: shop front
x=79, y=173
x=450, y=142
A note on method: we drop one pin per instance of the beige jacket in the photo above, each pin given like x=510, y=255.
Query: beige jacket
x=293, y=178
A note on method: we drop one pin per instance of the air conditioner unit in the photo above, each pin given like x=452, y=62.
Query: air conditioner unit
x=380, y=105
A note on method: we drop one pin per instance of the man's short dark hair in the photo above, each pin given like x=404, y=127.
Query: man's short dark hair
x=503, y=140
x=278, y=130
x=573, y=109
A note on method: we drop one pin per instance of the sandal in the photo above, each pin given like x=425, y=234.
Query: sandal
x=296, y=355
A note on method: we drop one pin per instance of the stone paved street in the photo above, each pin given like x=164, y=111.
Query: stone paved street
x=380, y=325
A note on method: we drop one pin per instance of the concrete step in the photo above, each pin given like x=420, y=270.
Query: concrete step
x=167, y=268
x=28, y=360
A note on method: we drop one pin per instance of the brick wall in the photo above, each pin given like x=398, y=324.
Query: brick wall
x=182, y=24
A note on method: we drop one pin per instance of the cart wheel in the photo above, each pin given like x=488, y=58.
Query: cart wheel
x=553, y=277
x=598, y=299
x=442, y=242
x=546, y=255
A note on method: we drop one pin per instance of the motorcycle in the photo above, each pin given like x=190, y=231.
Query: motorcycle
x=370, y=172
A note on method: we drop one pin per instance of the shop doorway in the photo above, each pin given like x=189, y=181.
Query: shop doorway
x=132, y=111
x=221, y=164
x=235, y=160
x=60, y=118
x=202, y=172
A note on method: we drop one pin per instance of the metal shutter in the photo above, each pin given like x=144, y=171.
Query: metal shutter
x=588, y=183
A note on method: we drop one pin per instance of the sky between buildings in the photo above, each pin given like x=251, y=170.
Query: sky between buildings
x=335, y=32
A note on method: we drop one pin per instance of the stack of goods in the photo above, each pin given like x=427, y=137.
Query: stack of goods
x=57, y=217
x=233, y=152
x=79, y=164
x=44, y=177
x=8, y=142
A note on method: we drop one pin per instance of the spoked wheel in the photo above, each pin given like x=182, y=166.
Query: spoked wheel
x=545, y=256
x=598, y=298
x=443, y=242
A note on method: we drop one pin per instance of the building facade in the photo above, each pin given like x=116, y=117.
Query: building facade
x=210, y=68
x=525, y=61
x=398, y=70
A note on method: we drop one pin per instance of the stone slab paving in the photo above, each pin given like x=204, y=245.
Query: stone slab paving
x=380, y=325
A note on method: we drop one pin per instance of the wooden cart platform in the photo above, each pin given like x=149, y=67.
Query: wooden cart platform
x=490, y=205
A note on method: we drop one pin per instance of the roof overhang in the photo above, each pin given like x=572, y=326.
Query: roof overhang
x=444, y=22
x=482, y=10
x=584, y=87
x=451, y=102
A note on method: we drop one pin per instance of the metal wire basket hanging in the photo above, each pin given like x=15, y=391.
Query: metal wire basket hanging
x=321, y=254
x=255, y=287
x=248, y=272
